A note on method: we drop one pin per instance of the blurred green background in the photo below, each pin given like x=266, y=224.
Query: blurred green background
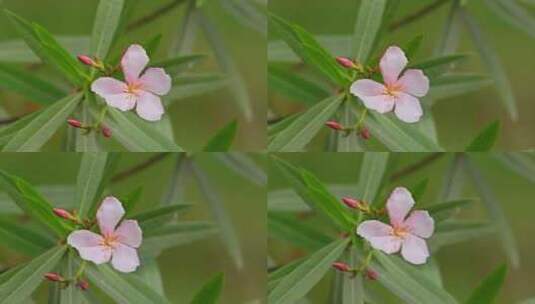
x=463, y=265
x=195, y=119
x=185, y=268
x=458, y=119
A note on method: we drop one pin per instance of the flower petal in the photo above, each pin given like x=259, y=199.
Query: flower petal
x=109, y=214
x=123, y=102
x=408, y=108
x=414, y=82
x=398, y=205
x=414, y=250
x=380, y=103
x=373, y=228
x=156, y=80
x=149, y=107
x=372, y=95
x=88, y=246
x=134, y=60
x=129, y=233
x=420, y=223
x=125, y=259
x=392, y=63
x=387, y=244
x=105, y=86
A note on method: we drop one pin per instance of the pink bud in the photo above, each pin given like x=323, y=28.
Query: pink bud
x=106, y=132
x=345, y=62
x=83, y=285
x=86, y=60
x=371, y=275
x=74, y=123
x=351, y=203
x=63, y=213
x=343, y=267
x=364, y=133
x=54, y=277
x=334, y=125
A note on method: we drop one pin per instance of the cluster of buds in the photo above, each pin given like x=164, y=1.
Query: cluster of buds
x=56, y=277
x=361, y=205
x=64, y=214
x=350, y=64
x=363, y=132
x=343, y=267
x=96, y=63
x=106, y=132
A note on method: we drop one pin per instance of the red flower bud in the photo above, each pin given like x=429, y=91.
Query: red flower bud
x=86, y=60
x=371, y=275
x=63, y=213
x=83, y=285
x=54, y=277
x=334, y=125
x=345, y=62
x=351, y=202
x=106, y=132
x=74, y=123
x=343, y=267
x=364, y=133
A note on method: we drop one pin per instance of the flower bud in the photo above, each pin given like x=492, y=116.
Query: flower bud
x=54, y=277
x=334, y=125
x=106, y=132
x=364, y=133
x=83, y=285
x=74, y=123
x=351, y=202
x=343, y=267
x=346, y=62
x=371, y=275
x=86, y=60
x=63, y=213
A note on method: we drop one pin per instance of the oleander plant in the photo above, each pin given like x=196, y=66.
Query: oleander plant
x=116, y=89
x=382, y=239
x=377, y=88
x=90, y=243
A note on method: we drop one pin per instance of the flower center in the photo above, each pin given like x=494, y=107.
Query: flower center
x=110, y=240
x=393, y=89
x=134, y=88
x=400, y=231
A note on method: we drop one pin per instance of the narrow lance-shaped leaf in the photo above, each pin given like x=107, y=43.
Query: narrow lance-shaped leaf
x=22, y=284
x=301, y=131
x=70, y=294
x=289, y=228
x=37, y=132
x=90, y=177
x=106, y=23
x=371, y=175
x=353, y=286
x=22, y=239
x=348, y=142
x=485, y=140
x=514, y=14
x=228, y=232
x=244, y=166
x=248, y=13
x=172, y=235
x=86, y=141
x=487, y=291
x=294, y=86
x=223, y=139
x=521, y=163
x=17, y=51
x=209, y=293
x=300, y=281
x=369, y=21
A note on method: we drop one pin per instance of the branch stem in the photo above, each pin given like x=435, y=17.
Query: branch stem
x=139, y=167
x=416, y=166
x=154, y=15
x=410, y=18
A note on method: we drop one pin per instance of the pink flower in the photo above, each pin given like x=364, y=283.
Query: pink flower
x=140, y=91
x=398, y=93
x=407, y=234
x=119, y=244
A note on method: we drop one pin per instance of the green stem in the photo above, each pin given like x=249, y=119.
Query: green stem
x=80, y=271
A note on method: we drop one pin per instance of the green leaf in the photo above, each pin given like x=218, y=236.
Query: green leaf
x=90, y=176
x=177, y=62
x=307, y=48
x=451, y=85
x=228, y=232
x=194, y=85
x=301, y=131
x=372, y=170
x=406, y=282
x=138, y=135
x=17, y=51
x=437, y=65
x=442, y=211
x=21, y=238
x=6, y=133
x=295, y=86
x=353, y=286
x=485, y=140
x=514, y=14
x=300, y=281
x=369, y=21
x=35, y=205
x=492, y=62
x=521, y=163
x=150, y=274
x=223, y=139
x=124, y=289
x=70, y=294
x=248, y=13
x=348, y=142
x=28, y=85
x=153, y=219
x=274, y=277
x=241, y=164
x=456, y=231
x=105, y=26
x=48, y=49
x=449, y=39
x=21, y=285
x=315, y=194
x=289, y=228
x=227, y=64
x=487, y=291
x=495, y=211
x=37, y=132
x=86, y=142
x=172, y=235
x=209, y=293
